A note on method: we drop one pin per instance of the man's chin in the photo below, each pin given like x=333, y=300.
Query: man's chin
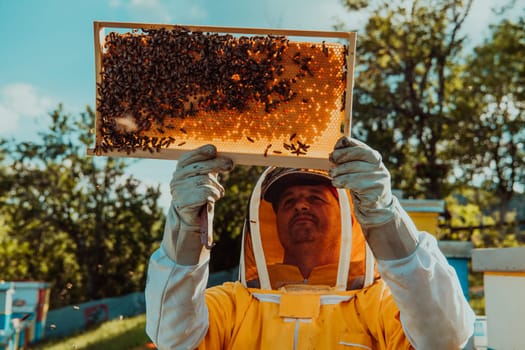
x=304, y=237
x=302, y=225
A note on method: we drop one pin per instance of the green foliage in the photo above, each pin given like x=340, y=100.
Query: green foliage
x=355, y=4
x=443, y=118
x=75, y=221
x=406, y=77
x=491, y=109
x=470, y=221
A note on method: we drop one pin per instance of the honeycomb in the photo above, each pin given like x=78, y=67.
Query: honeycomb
x=266, y=95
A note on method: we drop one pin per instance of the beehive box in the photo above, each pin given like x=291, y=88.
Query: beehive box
x=262, y=96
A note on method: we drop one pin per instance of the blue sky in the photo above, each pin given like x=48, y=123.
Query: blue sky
x=47, y=53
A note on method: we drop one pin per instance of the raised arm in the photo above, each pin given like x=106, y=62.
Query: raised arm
x=434, y=311
x=177, y=317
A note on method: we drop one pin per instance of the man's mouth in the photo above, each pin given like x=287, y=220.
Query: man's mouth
x=302, y=218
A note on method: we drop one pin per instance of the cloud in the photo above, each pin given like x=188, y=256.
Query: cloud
x=19, y=102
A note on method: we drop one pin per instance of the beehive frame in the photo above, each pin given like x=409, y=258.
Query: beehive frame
x=285, y=150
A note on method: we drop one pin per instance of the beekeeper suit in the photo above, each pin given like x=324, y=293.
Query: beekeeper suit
x=308, y=279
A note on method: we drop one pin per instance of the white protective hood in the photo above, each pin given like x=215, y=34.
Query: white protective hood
x=262, y=252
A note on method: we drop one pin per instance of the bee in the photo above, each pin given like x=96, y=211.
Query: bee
x=298, y=152
x=325, y=49
x=266, y=150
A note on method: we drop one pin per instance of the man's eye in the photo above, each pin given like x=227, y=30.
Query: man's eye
x=287, y=203
x=317, y=199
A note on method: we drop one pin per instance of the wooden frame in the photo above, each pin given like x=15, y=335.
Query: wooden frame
x=237, y=157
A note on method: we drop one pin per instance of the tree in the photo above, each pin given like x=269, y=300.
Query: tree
x=77, y=221
x=490, y=148
x=470, y=222
x=408, y=60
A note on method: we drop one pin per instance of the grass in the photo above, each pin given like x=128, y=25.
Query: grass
x=125, y=334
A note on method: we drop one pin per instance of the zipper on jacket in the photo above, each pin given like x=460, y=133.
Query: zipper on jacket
x=298, y=322
x=296, y=334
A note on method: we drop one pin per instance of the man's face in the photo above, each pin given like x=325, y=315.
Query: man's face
x=308, y=215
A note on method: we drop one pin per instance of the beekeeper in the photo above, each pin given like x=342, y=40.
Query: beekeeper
x=308, y=277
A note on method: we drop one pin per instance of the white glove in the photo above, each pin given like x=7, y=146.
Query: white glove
x=360, y=169
x=388, y=229
x=194, y=186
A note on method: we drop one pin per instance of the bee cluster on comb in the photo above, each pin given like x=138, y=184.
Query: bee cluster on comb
x=165, y=88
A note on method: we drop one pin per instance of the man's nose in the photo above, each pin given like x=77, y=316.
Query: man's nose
x=302, y=204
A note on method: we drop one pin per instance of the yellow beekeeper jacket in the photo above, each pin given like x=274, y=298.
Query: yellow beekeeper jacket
x=241, y=318
x=360, y=303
